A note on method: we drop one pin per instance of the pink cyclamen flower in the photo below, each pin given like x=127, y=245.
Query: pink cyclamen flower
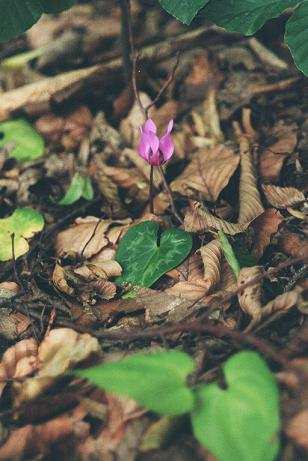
x=153, y=149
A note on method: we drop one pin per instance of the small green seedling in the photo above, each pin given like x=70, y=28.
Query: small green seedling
x=22, y=141
x=80, y=187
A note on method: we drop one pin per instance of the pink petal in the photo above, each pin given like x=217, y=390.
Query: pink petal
x=149, y=126
x=166, y=147
x=154, y=142
x=169, y=127
x=144, y=146
x=156, y=158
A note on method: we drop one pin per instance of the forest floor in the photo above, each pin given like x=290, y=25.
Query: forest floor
x=240, y=131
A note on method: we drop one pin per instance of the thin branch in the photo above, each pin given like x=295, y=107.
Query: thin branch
x=127, y=38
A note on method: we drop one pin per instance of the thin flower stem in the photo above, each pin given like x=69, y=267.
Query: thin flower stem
x=127, y=38
x=169, y=192
x=151, y=190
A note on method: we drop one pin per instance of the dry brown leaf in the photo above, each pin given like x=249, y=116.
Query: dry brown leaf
x=190, y=290
x=13, y=324
x=87, y=237
x=281, y=303
x=142, y=166
x=35, y=441
x=130, y=179
x=265, y=226
x=293, y=244
x=36, y=96
x=250, y=299
x=297, y=429
x=59, y=280
x=282, y=197
x=199, y=219
x=9, y=290
x=208, y=173
x=18, y=361
x=272, y=159
x=211, y=255
x=60, y=350
x=130, y=126
x=165, y=113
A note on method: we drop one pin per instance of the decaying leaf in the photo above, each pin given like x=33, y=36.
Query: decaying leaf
x=281, y=303
x=250, y=299
x=200, y=219
x=13, y=324
x=9, y=290
x=293, y=244
x=282, y=197
x=59, y=280
x=265, y=226
x=272, y=159
x=129, y=127
x=211, y=255
x=35, y=440
x=208, y=173
x=60, y=350
x=18, y=361
x=86, y=237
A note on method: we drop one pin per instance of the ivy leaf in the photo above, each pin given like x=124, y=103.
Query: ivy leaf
x=143, y=260
x=23, y=142
x=80, y=187
x=229, y=253
x=23, y=224
x=240, y=423
x=156, y=381
x=183, y=10
x=19, y=15
x=296, y=36
x=244, y=16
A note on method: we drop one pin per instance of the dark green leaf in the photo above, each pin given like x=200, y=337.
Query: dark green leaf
x=156, y=381
x=297, y=36
x=244, y=16
x=80, y=187
x=242, y=422
x=23, y=142
x=229, y=253
x=144, y=261
x=184, y=10
x=19, y=15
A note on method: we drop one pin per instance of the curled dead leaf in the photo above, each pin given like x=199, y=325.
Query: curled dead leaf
x=211, y=255
x=250, y=299
x=208, y=173
x=18, y=361
x=9, y=290
x=60, y=350
x=281, y=303
x=282, y=197
x=59, y=280
x=265, y=226
x=129, y=127
x=272, y=159
x=200, y=219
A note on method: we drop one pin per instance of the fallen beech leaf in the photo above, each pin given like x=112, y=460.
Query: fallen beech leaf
x=35, y=441
x=282, y=197
x=208, y=173
x=8, y=290
x=272, y=159
x=297, y=429
x=281, y=303
x=86, y=236
x=59, y=280
x=18, y=361
x=13, y=324
x=293, y=244
x=60, y=350
x=250, y=298
x=199, y=219
x=190, y=290
x=265, y=226
x=211, y=255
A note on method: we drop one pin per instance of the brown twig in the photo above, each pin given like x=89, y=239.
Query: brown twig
x=126, y=38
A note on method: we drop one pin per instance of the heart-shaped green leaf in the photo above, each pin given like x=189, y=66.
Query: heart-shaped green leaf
x=80, y=187
x=23, y=224
x=156, y=381
x=240, y=423
x=297, y=36
x=184, y=10
x=144, y=260
x=22, y=141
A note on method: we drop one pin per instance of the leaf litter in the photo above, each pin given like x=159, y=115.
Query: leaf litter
x=237, y=168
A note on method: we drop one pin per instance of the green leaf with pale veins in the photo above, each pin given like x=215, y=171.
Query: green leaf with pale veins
x=80, y=187
x=244, y=16
x=23, y=224
x=183, y=10
x=156, y=381
x=21, y=140
x=240, y=423
x=296, y=36
x=144, y=260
